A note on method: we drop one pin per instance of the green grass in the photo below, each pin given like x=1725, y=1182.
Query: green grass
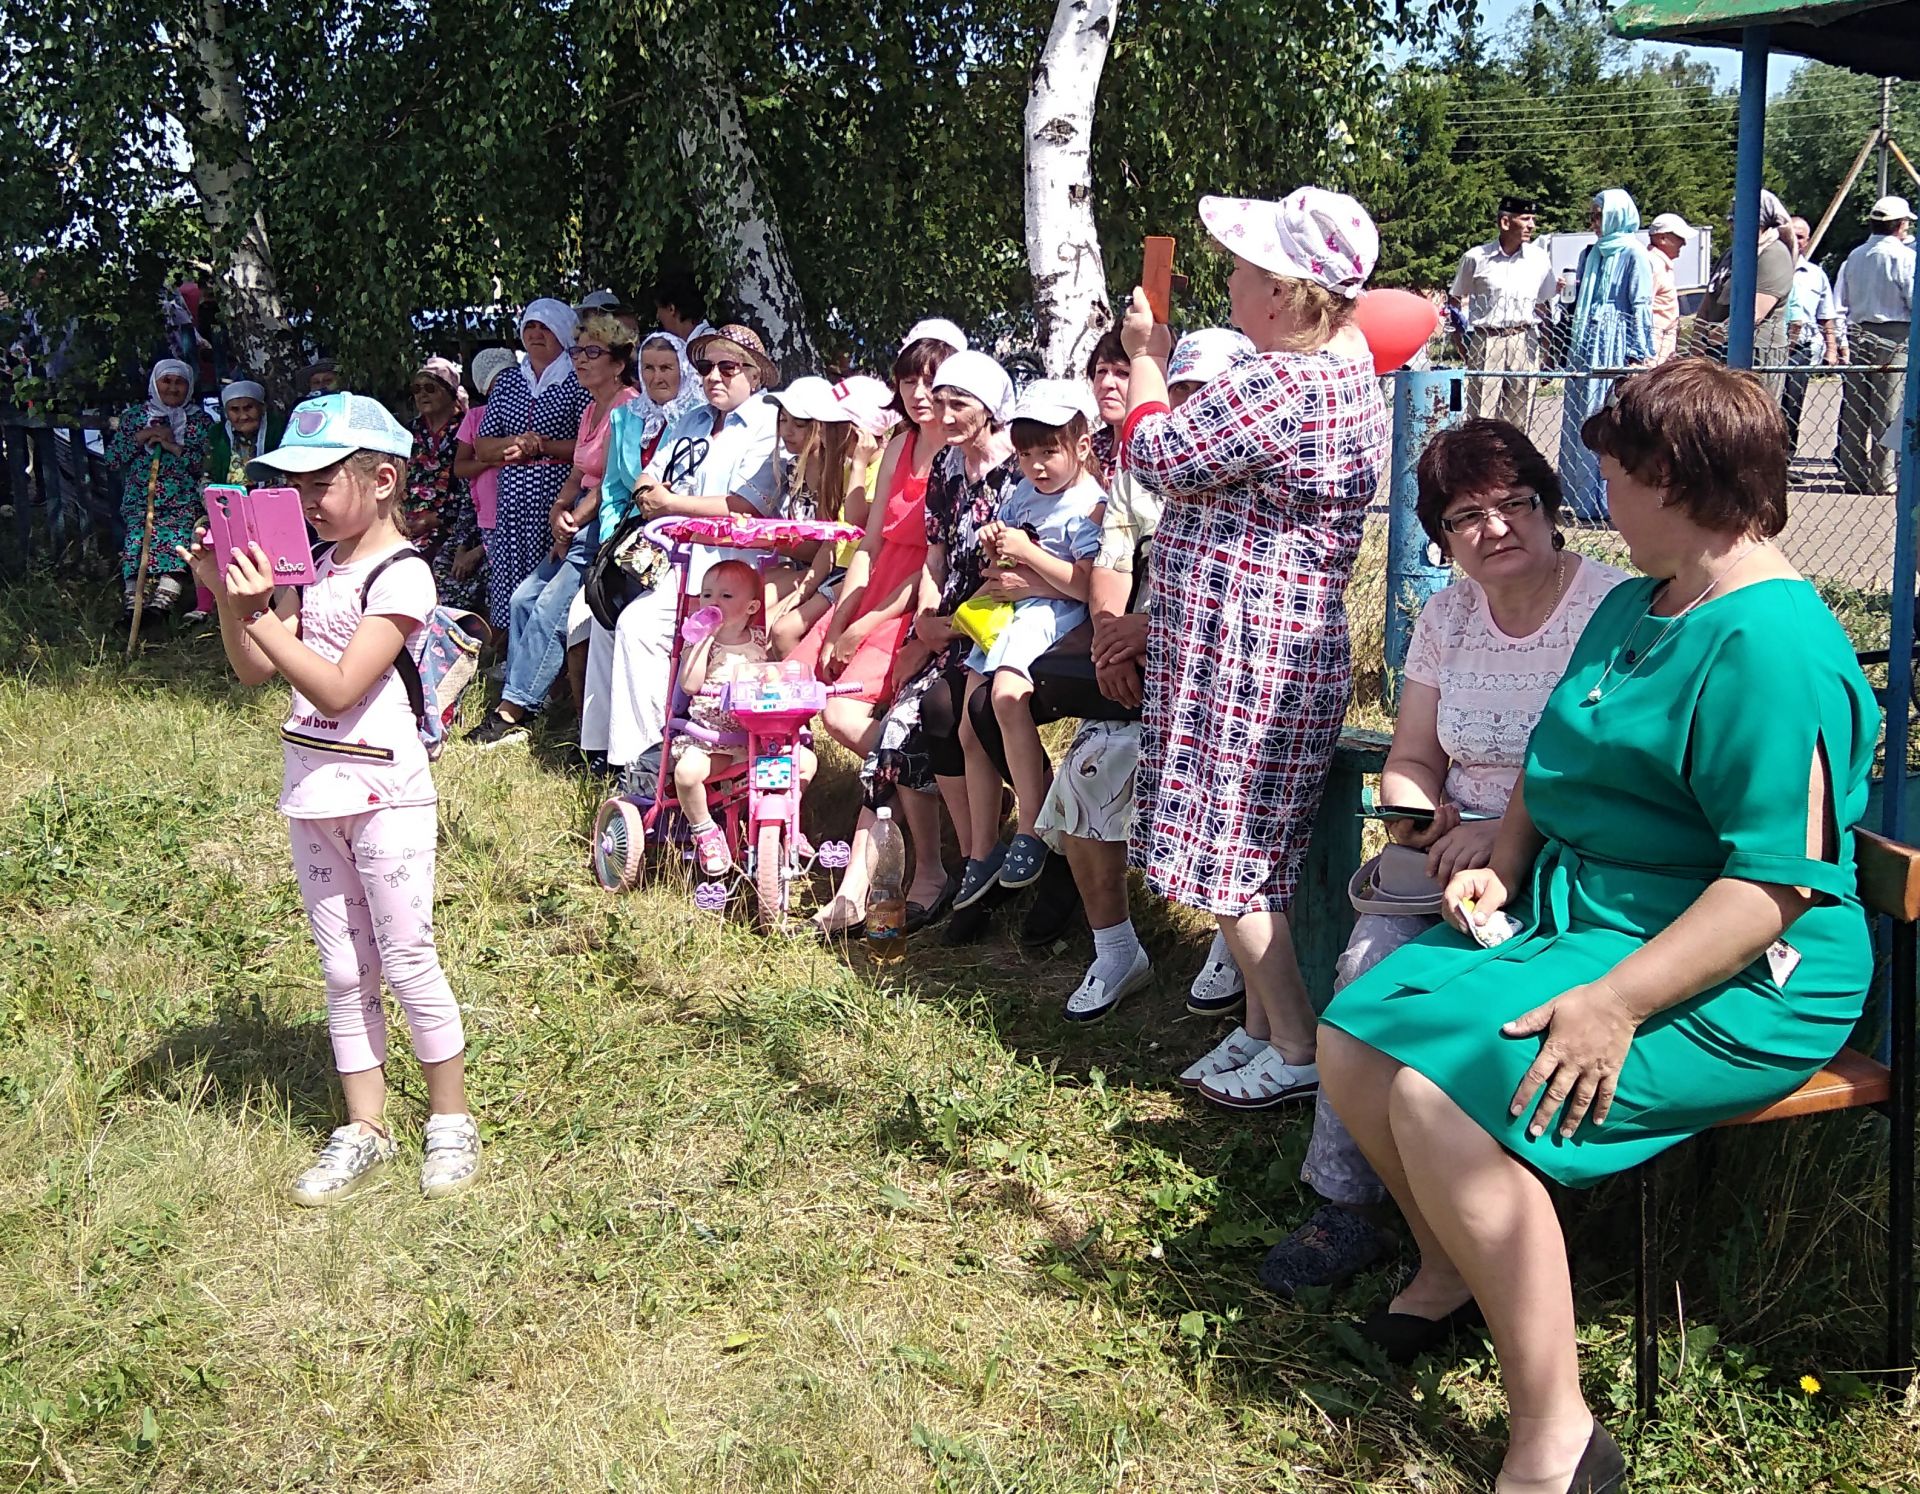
x=754, y=1218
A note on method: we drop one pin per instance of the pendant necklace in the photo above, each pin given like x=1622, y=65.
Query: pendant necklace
x=1633, y=658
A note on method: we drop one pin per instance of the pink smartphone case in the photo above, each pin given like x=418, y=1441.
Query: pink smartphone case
x=268, y=517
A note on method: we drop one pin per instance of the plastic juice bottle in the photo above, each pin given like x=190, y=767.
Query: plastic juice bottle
x=887, y=882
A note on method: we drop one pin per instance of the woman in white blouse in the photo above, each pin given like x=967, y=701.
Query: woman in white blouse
x=1486, y=652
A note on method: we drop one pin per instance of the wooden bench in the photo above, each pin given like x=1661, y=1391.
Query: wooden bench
x=1890, y=888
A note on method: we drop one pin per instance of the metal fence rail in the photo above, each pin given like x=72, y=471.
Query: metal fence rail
x=59, y=499
x=1840, y=501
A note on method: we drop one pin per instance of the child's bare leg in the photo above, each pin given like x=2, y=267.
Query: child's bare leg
x=692, y=766
x=1027, y=761
x=983, y=778
x=447, y=1085
x=366, y=1094
x=851, y=722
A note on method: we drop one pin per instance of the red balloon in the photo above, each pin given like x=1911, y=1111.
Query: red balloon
x=1396, y=324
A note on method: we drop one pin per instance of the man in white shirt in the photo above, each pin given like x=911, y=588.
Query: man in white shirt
x=1813, y=329
x=1506, y=287
x=1876, y=298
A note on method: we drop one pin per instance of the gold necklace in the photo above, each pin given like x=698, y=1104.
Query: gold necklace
x=1634, y=661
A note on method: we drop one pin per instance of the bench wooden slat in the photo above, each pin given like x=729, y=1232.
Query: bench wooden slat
x=1889, y=876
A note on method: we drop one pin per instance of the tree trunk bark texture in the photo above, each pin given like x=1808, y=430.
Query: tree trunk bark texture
x=1071, y=307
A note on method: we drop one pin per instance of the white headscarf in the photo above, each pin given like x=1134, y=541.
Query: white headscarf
x=174, y=415
x=559, y=319
x=656, y=417
x=244, y=389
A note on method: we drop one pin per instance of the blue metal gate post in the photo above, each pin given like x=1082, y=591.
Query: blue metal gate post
x=1424, y=403
x=1893, y=807
x=1748, y=161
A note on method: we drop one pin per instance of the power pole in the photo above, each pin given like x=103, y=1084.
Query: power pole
x=1886, y=130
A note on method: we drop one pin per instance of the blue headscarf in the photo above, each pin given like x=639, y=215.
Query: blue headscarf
x=1611, y=261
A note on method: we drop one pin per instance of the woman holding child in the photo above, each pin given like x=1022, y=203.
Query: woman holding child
x=1266, y=474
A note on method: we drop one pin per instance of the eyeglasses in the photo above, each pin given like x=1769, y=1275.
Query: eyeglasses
x=728, y=368
x=589, y=353
x=1471, y=521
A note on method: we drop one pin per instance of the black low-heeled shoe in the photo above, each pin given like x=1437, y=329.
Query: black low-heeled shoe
x=1602, y=1468
x=1403, y=1336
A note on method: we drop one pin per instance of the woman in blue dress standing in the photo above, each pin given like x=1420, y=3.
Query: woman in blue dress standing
x=1612, y=328
x=533, y=416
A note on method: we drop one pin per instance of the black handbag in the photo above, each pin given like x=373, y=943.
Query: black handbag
x=626, y=567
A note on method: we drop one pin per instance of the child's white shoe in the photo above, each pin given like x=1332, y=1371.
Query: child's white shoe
x=351, y=1156
x=452, y=1155
x=1233, y=1051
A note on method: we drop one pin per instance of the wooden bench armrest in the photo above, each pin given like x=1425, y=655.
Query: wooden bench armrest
x=1889, y=876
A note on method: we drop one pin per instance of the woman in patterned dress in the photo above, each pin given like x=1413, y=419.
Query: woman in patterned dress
x=533, y=418
x=1266, y=474
x=162, y=444
x=440, y=514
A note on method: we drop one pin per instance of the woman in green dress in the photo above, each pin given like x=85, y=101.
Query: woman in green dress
x=1676, y=871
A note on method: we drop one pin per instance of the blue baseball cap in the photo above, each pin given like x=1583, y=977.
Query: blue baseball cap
x=325, y=430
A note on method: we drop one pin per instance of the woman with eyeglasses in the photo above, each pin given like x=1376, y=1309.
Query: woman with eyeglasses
x=1667, y=933
x=533, y=418
x=718, y=458
x=537, y=637
x=1487, y=650
x=439, y=516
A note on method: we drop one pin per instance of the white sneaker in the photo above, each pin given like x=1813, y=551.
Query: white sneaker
x=1261, y=1083
x=1233, y=1051
x=452, y=1155
x=1219, y=987
x=1106, y=982
x=351, y=1156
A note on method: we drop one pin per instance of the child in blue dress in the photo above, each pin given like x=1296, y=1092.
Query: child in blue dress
x=1040, y=551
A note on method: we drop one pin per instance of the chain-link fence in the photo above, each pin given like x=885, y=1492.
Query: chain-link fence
x=1840, y=505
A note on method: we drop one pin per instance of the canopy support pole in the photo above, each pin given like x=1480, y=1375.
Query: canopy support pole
x=1746, y=195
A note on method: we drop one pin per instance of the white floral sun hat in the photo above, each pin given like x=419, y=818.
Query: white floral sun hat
x=1312, y=234
x=1202, y=355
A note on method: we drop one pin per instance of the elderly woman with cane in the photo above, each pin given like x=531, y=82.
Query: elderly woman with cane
x=161, y=447
x=1266, y=475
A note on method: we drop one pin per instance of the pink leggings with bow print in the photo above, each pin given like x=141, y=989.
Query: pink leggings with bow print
x=367, y=881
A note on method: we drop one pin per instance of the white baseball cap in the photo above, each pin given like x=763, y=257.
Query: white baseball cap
x=865, y=401
x=808, y=397
x=940, y=330
x=330, y=428
x=1890, y=210
x=1311, y=234
x=978, y=375
x=1671, y=223
x=1055, y=402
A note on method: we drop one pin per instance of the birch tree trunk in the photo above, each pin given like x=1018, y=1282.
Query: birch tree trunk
x=222, y=172
x=738, y=218
x=1070, y=302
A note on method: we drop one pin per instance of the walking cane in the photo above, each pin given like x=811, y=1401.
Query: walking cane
x=146, y=558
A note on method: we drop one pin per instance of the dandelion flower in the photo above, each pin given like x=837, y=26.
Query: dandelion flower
x=1810, y=1385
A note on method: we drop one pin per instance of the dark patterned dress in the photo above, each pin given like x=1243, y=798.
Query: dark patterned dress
x=176, y=501
x=520, y=539
x=1267, y=473
x=440, y=515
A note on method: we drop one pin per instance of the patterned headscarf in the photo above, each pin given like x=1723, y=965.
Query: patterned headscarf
x=656, y=417
x=447, y=372
x=158, y=409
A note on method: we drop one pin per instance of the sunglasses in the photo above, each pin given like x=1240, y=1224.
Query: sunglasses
x=427, y=386
x=728, y=368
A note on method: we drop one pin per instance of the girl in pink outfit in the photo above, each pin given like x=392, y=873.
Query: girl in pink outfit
x=357, y=793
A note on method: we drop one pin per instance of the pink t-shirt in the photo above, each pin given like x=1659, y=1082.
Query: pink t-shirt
x=370, y=757
x=1493, y=687
x=590, y=450
x=486, y=487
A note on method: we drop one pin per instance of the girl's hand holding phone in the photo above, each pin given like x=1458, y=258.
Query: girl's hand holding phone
x=250, y=580
x=200, y=561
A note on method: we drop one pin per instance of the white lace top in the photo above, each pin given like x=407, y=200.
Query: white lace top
x=1492, y=686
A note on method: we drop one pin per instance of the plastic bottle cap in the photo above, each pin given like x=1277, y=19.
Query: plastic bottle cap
x=883, y=814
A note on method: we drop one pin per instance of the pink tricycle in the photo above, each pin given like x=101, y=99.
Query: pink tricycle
x=756, y=800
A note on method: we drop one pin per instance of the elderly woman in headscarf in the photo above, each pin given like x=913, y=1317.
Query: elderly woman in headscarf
x=1612, y=328
x=1772, y=290
x=533, y=419
x=161, y=447
x=248, y=426
x=439, y=510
